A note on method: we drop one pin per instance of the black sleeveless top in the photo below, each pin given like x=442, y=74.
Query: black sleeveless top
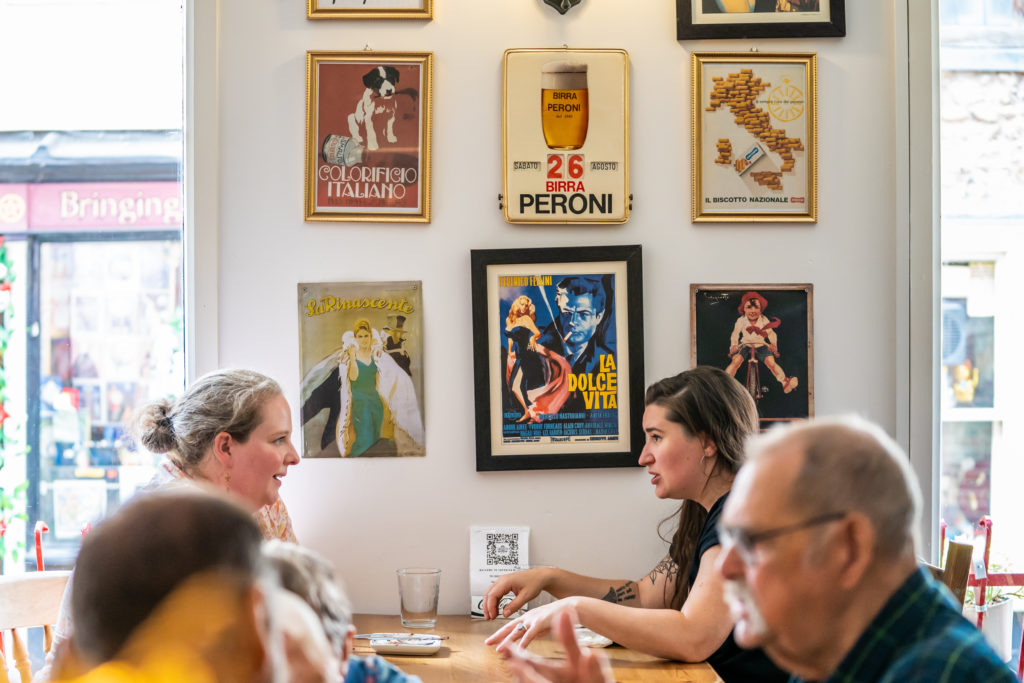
x=730, y=661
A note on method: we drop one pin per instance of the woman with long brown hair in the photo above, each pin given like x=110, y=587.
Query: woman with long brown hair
x=696, y=423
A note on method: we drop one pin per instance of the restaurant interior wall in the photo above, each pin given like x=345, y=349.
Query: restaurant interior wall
x=370, y=516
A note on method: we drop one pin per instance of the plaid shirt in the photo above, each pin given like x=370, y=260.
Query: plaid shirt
x=920, y=635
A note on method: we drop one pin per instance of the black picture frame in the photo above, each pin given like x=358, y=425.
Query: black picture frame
x=831, y=26
x=588, y=410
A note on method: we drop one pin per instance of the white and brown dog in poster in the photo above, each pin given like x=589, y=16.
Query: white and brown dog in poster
x=376, y=110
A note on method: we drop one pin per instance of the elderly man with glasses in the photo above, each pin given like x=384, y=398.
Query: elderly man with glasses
x=818, y=554
x=819, y=559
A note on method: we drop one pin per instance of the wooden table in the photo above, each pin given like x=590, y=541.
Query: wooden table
x=464, y=657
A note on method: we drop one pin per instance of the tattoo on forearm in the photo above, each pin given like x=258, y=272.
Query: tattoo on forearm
x=666, y=567
x=626, y=591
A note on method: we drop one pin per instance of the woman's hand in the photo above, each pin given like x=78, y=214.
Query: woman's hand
x=526, y=584
x=533, y=624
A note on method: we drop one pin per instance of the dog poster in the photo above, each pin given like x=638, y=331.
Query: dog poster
x=369, y=9
x=368, y=136
x=761, y=335
x=361, y=358
x=565, y=128
x=755, y=137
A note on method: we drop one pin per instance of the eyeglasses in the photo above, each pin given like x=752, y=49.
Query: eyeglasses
x=746, y=542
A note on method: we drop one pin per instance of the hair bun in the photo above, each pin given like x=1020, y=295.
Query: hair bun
x=154, y=427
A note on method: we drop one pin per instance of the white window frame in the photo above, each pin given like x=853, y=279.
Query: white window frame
x=915, y=30
x=201, y=186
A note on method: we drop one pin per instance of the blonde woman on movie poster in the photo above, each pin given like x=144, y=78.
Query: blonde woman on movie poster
x=367, y=395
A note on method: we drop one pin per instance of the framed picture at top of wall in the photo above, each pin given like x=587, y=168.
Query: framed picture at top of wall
x=760, y=19
x=565, y=142
x=558, y=355
x=368, y=120
x=369, y=9
x=761, y=334
x=755, y=137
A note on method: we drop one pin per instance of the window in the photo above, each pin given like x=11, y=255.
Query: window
x=982, y=274
x=91, y=214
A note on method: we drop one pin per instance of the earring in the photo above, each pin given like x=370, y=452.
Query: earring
x=227, y=481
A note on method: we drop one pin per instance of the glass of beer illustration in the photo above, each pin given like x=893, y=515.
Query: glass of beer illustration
x=564, y=107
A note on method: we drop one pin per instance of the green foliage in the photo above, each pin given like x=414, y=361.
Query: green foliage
x=12, y=500
x=994, y=594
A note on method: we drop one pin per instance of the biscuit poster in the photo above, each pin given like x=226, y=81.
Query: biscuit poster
x=367, y=137
x=755, y=152
x=566, y=148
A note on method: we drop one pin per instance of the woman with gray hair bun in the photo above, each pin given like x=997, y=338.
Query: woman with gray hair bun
x=232, y=430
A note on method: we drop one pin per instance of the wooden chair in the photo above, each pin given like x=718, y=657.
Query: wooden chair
x=26, y=601
x=956, y=570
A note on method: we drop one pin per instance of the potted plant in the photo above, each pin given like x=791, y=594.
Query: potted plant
x=997, y=625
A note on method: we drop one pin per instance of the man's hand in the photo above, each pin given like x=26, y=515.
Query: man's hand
x=578, y=667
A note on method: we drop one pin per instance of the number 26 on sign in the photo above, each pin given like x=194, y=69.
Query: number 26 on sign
x=565, y=173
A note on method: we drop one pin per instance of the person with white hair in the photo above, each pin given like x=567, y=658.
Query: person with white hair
x=311, y=577
x=821, y=568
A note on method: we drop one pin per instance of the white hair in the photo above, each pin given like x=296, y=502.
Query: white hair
x=311, y=576
x=850, y=465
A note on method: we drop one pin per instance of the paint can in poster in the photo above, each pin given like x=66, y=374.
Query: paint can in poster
x=342, y=151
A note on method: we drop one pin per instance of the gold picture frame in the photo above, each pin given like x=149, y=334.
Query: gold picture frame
x=754, y=137
x=583, y=178
x=378, y=9
x=368, y=135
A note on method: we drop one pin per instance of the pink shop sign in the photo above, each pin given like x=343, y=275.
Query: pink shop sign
x=106, y=206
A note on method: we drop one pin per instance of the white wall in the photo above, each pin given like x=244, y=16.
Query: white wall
x=371, y=516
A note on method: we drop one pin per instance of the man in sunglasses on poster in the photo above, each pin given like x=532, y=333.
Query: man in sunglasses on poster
x=818, y=554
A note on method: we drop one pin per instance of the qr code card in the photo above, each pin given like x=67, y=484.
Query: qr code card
x=494, y=551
